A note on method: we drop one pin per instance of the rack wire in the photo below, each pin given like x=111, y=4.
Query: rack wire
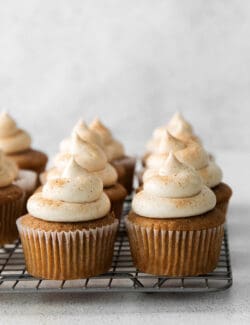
x=122, y=277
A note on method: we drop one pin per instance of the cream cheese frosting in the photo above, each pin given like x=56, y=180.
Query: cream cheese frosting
x=75, y=196
x=178, y=127
x=176, y=191
x=8, y=171
x=85, y=133
x=12, y=139
x=90, y=157
x=188, y=152
x=113, y=148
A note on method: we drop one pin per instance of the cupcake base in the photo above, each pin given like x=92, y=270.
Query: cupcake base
x=11, y=204
x=176, y=246
x=66, y=251
x=117, y=195
x=30, y=159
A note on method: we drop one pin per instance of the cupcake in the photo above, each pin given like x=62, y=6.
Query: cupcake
x=16, y=143
x=193, y=154
x=69, y=232
x=174, y=227
x=92, y=158
x=11, y=202
x=116, y=154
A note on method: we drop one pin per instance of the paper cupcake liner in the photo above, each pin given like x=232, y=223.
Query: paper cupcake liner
x=174, y=253
x=9, y=212
x=68, y=255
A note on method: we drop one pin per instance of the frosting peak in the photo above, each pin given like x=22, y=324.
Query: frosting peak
x=101, y=129
x=174, y=180
x=178, y=124
x=176, y=191
x=12, y=139
x=169, y=143
x=70, y=198
x=88, y=155
x=85, y=133
x=113, y=148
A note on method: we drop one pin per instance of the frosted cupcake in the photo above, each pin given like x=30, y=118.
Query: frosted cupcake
x=69, y=232
x=92, y=158
x=16, y=144
x=193, y=154
x=174, y=228
x=116, y=154
x=11, y=201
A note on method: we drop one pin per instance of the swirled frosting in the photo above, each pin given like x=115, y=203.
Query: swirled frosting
x=178, y=127
x=90, y=157
x=113, y=148
x=12, y=139
x=8, y=171
x=176, y=191
x=76, y=196
x=85, y=133
x=190, y=153
x=181, y=129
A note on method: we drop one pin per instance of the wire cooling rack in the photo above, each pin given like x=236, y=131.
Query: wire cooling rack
x=122, y=277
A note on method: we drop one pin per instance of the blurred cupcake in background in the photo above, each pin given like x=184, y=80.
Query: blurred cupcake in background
x=69, y=232
x=11, y=201
x=116, y=154
x=16, y=144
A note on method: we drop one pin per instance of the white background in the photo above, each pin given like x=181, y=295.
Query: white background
x=134, y=63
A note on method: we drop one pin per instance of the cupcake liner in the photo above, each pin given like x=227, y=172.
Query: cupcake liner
x=174, y=253
x=9, y=212
x=68, y=255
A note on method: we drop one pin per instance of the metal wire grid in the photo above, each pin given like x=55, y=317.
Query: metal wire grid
x=122, y=277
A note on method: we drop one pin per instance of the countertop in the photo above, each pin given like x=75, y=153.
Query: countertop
x=231, y=306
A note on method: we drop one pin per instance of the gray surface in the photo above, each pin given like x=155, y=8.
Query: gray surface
x=232, y=306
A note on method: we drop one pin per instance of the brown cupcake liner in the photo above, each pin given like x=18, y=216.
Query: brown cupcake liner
x=68, y=255
x=9, y=212
x=174, y=253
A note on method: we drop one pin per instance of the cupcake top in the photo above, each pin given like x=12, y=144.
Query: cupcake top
x=90, y=157
x=188, y=152
x=75, y=196
x=8, y=171
x=176, y=191
x=178, y=127
x=113, y=148
x=85, y=133
x=12, y=139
